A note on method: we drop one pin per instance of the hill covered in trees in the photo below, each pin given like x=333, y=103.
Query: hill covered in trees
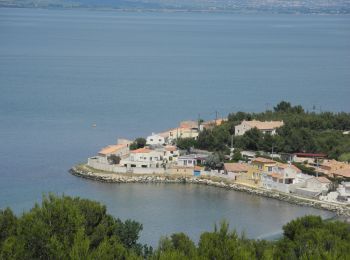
x=74, y=228
x=303, y=131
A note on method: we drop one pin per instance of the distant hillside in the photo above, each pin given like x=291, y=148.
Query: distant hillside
x=278, y=6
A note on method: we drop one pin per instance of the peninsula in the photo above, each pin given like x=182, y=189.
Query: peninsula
x=281, y=154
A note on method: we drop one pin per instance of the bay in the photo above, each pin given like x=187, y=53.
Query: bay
x=133, y=73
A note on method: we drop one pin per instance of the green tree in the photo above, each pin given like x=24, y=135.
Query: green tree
x=68, y=228
x=114, y=159
x=237, y=156
x=344, y=157
x=185, y=143
x=214, y=161
x=139, y=142
x=283, y=106
x=8, y=224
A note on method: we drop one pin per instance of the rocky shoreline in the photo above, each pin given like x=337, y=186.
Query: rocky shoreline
x=339, y=208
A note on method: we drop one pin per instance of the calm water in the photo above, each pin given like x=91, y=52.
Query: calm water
x=133, y=73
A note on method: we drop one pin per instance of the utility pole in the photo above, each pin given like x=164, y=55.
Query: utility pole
x=272, y=152
x=199, y=118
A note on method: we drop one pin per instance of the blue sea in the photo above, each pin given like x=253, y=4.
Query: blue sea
x=133, y=73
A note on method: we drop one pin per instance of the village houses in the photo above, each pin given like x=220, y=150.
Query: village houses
x=187, y=129
x=313, y=187
x=143, y=158
x=160, y=155
x=280, y=177
x=120, y=149
x=266, y=127
x=243, y=173
x=263, y=164
x=211, y=124
x=191, y=160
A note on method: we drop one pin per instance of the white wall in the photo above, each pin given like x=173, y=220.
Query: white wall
x=241, y=129
x=155, y=140
x=120, y=169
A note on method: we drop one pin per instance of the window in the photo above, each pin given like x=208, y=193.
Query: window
x=289, y=181
x=269, y=169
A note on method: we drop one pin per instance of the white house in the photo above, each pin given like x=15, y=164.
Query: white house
x=143, y=158
x=344, y=192
x=171, y=153
x=187, y=129
x=313, y=187
x=280, y=178
x=191, y=160
x=266, y=127
x=155, y=139
x=121, y=150
x=320, y=183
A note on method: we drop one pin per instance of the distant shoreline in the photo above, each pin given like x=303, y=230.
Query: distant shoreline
x=109, y=177
x=174, y=10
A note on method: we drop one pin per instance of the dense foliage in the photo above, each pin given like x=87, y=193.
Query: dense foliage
x=114, y=159
x=73, y=228
x=308, y=237
x=139, y=142
x=302, y=132
x=68, y=228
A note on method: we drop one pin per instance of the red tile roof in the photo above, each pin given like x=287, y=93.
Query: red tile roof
x=264, y=125
x=322, y=155
x=343, y=173
x=263, y=160
x=141, y=150
x=236, y=167
x=170, y=148
x=112, y=149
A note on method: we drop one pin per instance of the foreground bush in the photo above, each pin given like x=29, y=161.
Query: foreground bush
x=74, y=228
x=68, y=228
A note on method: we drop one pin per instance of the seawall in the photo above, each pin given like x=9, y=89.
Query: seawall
x=339, y=208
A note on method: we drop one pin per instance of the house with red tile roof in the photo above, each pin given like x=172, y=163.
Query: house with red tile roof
x=280, y=177
x=243, y=173
x=266, y=127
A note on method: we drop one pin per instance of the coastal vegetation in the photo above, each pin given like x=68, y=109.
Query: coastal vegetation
x=303, y=131
x=75, y=228
x=114, y=159
x=139, y=142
